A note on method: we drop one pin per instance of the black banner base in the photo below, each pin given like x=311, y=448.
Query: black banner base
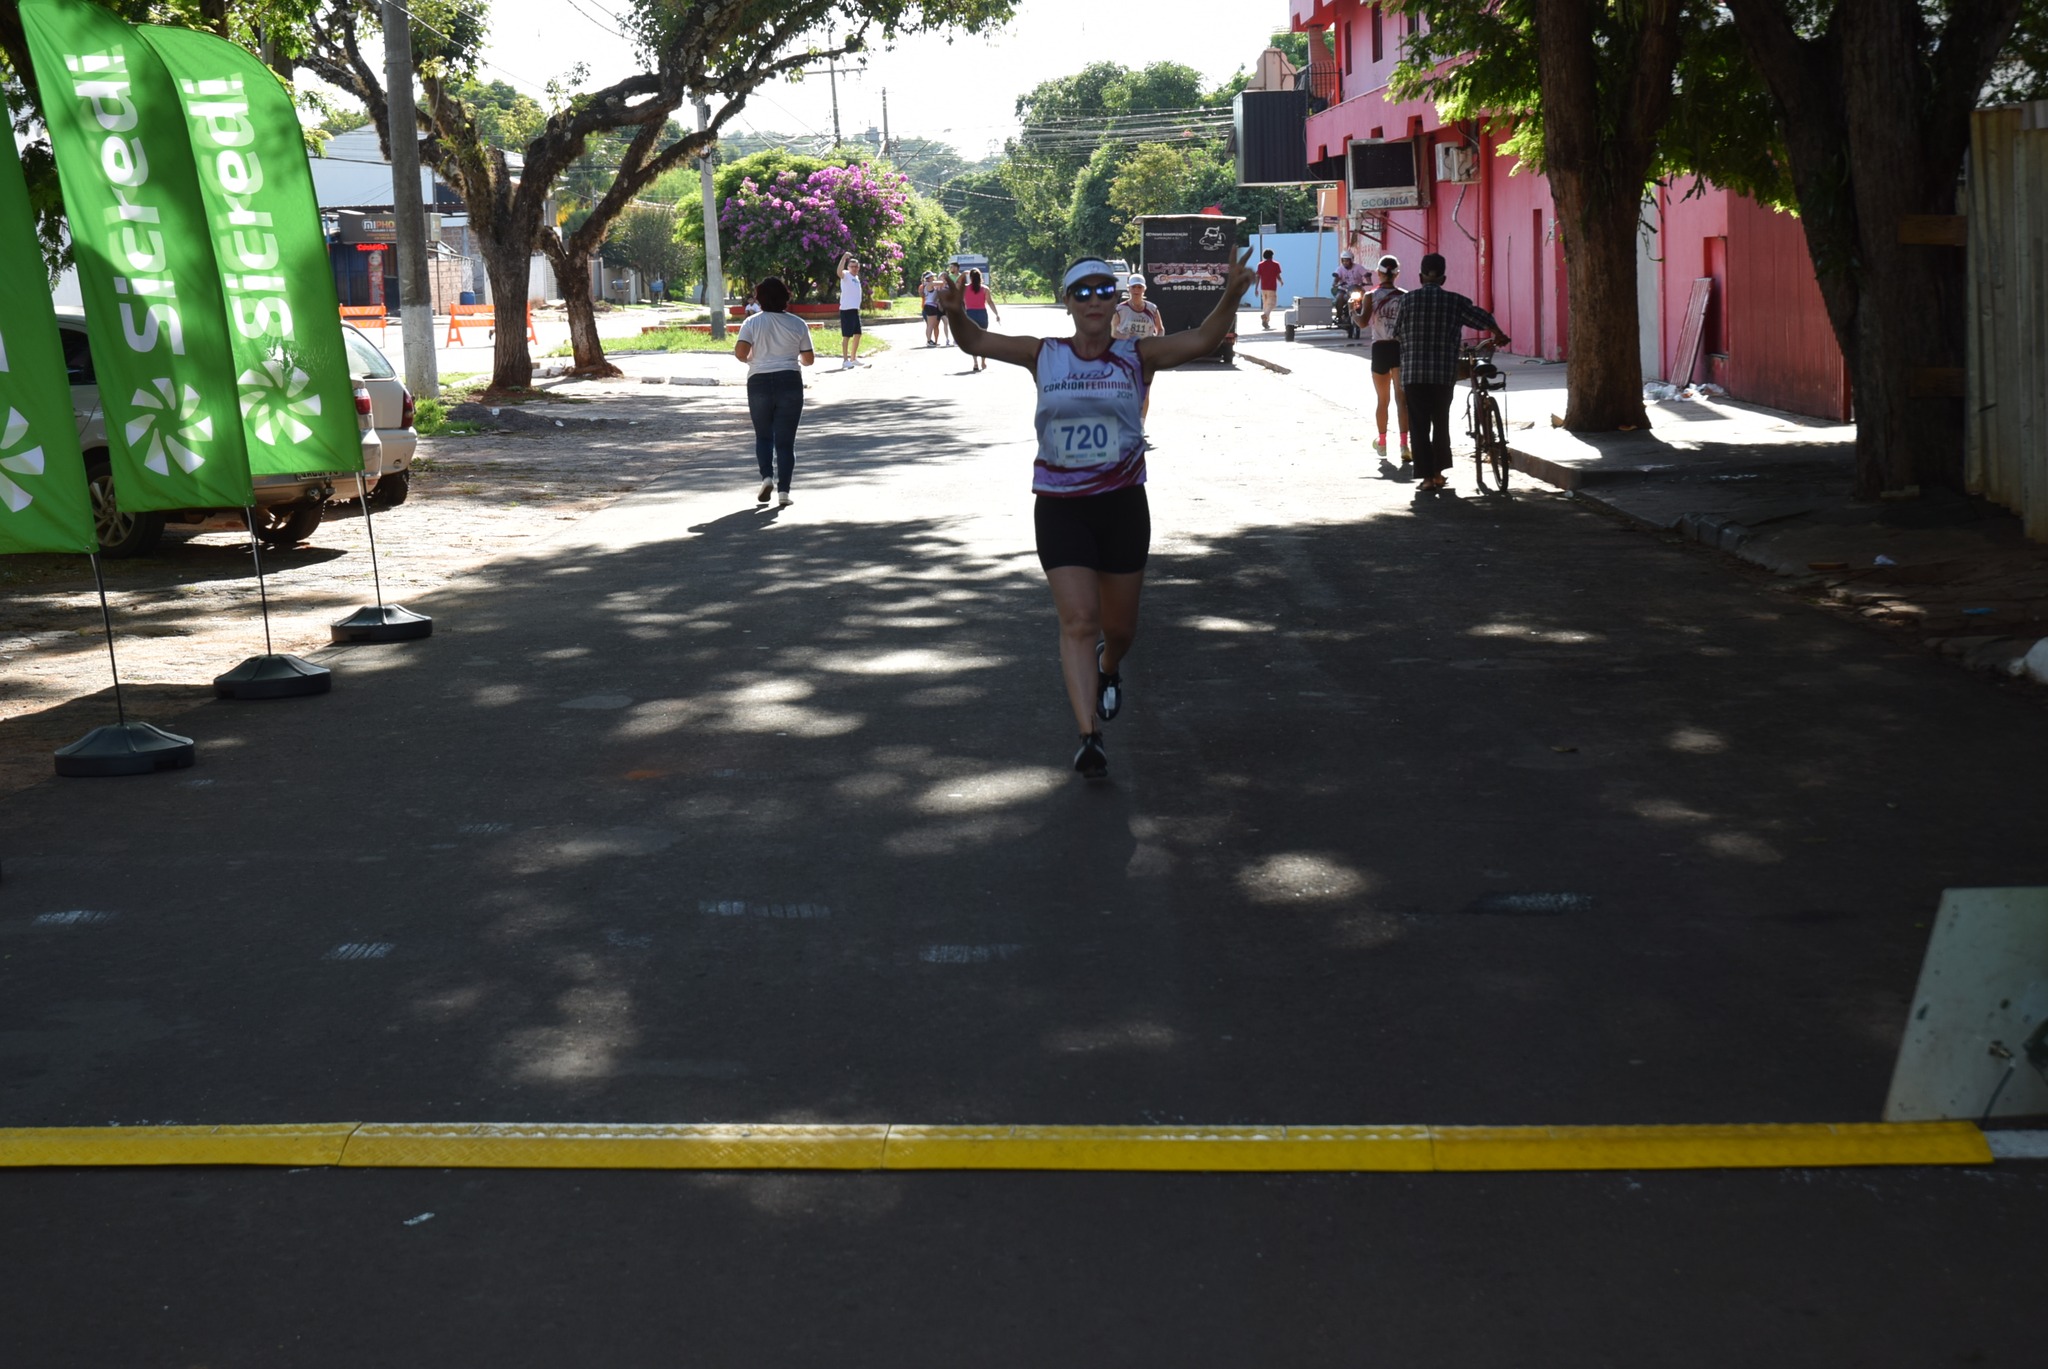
x=383, y=623
x=129, y=749
x=273, y=677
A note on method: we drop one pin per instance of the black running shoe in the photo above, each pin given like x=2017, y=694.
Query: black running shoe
x=1091, y=762
x=1109, y=689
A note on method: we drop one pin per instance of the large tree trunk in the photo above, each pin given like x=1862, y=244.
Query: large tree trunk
x=1604, y=368
x=1876, y=118
x=572, y=273
x=510, y=269
x=1599, y=137
x=1909, y=309
x=511, y=276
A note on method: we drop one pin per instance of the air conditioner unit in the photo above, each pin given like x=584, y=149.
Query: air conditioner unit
x=1456, y=163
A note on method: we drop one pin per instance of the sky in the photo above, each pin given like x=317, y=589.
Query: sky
x=963, y=93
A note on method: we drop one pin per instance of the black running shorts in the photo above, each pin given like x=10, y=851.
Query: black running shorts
x=849, y=323
x=1386, y=356
x=1110, y=533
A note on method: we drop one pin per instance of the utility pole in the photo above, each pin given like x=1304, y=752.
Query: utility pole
x=415, y=299
x=714, y=264
x=886, y=144
x=831, y=75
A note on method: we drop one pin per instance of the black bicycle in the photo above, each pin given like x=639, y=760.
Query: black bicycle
x=1482, y=413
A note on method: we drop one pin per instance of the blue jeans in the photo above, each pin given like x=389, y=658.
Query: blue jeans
x=775, y=401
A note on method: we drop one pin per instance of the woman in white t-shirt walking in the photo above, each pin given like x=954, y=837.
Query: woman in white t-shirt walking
x=774, y=343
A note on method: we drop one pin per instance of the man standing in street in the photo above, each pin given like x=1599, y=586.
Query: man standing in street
x=849, y=312
x=1432, y=323
x=1269, y=288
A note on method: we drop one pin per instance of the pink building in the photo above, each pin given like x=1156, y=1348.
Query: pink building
x=1419, y=186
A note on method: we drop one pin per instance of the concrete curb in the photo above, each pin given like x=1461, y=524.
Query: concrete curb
x=1549, y=472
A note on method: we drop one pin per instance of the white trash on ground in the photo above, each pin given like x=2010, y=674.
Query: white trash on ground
x=2035, y=662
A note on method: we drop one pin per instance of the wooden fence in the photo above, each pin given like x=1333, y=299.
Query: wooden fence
x=2007, y=379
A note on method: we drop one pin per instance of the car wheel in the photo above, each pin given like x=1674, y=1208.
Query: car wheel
x=1290, y=332
x=391, y=490
x=281, y=526
x=119, y=533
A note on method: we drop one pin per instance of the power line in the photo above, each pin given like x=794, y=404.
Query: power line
x=600, y=24
x=516, y=77
x=1195, y=111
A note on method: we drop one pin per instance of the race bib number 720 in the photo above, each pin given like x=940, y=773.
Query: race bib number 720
x=1087, y=442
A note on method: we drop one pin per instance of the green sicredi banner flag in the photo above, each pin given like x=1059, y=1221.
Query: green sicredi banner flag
x=154, y=305
x=44, y=505
x=284, y=323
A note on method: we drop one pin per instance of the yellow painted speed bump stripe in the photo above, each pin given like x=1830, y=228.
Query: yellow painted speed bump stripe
x=317, y=1143
x=1709, y=1147
x=1160, y=1148
x=1275, y=1149
x=560, y=1145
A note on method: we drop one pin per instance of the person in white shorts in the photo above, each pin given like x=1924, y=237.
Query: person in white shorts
x=1134, y=319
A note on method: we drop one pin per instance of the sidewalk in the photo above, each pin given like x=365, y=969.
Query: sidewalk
x=1777, y=490
x=1774, y=489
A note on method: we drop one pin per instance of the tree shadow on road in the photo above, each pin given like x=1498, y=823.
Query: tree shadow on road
x=1471, y=812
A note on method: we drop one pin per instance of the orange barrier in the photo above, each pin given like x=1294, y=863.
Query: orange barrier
x=458, y=312
x=366, y=315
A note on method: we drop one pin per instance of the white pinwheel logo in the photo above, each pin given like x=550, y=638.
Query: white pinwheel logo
x=28, y=462
x=273, y=397
x=168, y=427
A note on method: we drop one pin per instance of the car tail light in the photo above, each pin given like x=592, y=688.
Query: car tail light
x=405, y=409
x=363, y=400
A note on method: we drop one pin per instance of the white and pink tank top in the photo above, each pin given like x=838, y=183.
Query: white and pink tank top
x=1091, y=421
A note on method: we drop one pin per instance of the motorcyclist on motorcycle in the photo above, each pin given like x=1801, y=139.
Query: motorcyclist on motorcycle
x=1348, y=283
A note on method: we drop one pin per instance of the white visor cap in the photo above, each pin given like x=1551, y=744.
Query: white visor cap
x=1136, y=282
x=1082, y=270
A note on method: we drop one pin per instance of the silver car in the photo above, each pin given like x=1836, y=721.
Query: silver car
x=391, y=412
x=288, y=507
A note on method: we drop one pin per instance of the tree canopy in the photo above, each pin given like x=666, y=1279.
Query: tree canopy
x=716, y=48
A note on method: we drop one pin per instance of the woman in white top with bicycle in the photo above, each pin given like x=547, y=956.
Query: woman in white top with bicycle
x=1094, y=528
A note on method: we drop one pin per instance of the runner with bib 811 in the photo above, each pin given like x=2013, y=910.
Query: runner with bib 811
x=1094, y=527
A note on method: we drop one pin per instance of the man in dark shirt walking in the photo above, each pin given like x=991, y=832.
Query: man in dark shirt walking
x=1432, y=324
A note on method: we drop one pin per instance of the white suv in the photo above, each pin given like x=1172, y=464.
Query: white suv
x=288, y=507
x=391, y=412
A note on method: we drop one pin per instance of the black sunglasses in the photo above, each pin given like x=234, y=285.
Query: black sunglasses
x=1093, y=291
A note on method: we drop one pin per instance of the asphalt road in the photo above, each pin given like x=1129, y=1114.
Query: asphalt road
x=1458, y=811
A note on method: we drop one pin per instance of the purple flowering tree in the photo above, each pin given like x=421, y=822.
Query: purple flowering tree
x=796, y=226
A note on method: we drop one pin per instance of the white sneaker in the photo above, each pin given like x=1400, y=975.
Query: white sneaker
x=846, y=363
x=783, y=501
x=767, y=488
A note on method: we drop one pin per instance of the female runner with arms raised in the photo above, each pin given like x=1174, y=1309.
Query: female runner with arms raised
x=1094, y=528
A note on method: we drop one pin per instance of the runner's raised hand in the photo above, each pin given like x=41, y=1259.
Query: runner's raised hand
x=1240, y=278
